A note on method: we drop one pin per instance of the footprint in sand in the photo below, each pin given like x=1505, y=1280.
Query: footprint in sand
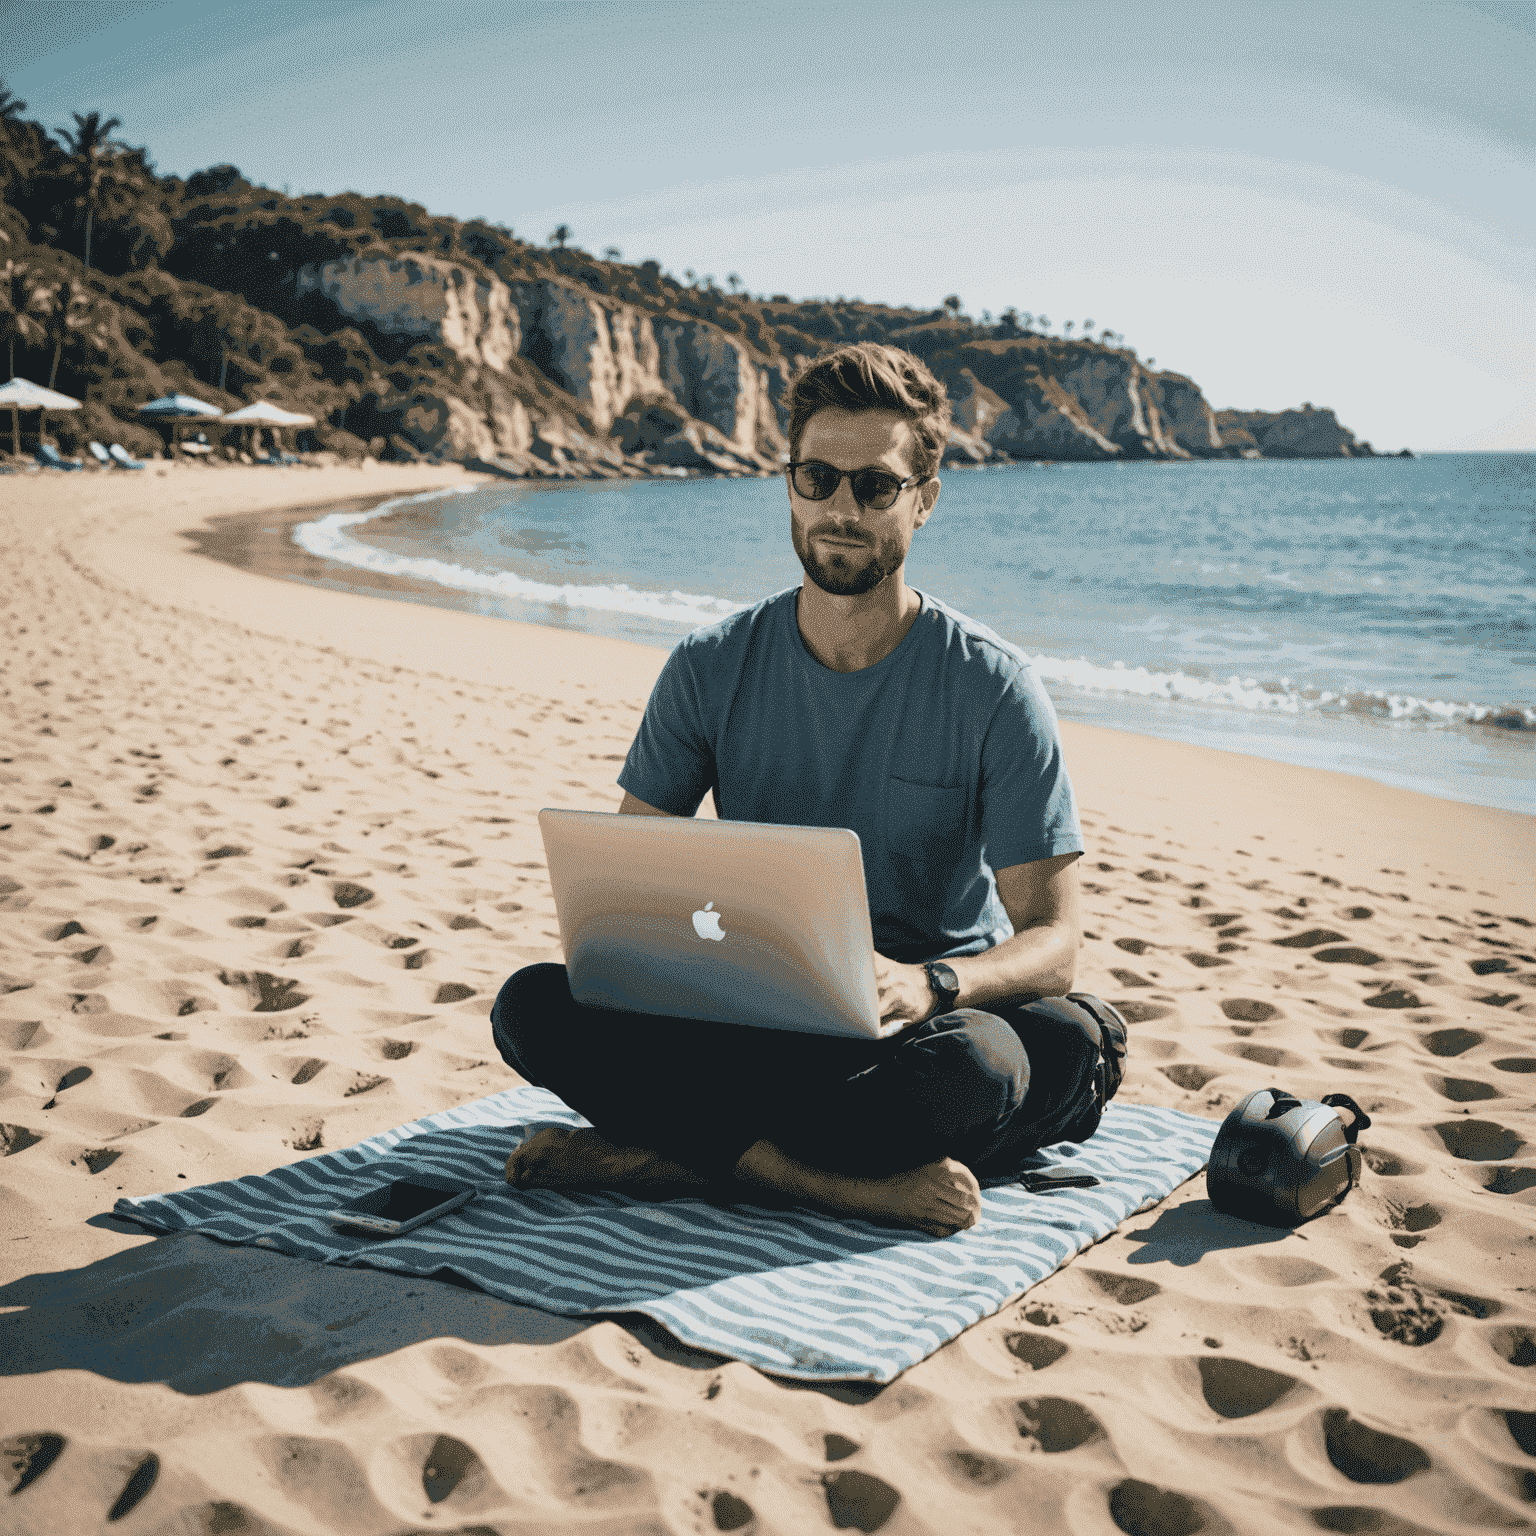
x=1055, y=1424
x=859, y=1500
x=16, y=1138
x=729, y=1512
x=1479, y=1141
x=1188, y=1076
x=1451, y=1042
x=1463, y=1090
x=1138, y=1012
x=975, y=1469
x=1236, y=1390
x=1393, y=997
x=1310, y=939
x=1037, y=1350
x=1510, y=1181
x=1144, y=1509
x=1350, y=955
x=140, y=1481
x=1516, y=1345
x=1366, y=1455
x=25, y=1458
x=1249, y=1010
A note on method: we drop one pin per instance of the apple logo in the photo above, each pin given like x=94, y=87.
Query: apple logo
x=707, y=923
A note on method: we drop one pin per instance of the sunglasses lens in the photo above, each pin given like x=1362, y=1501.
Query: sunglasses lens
x=815, y=480
x=875, y=489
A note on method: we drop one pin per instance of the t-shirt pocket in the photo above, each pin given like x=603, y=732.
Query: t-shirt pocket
x=924, y=834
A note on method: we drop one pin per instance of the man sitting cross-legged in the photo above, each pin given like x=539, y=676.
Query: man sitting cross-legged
x=851, y=701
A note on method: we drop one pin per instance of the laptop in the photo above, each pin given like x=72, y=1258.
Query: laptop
x=735, y=921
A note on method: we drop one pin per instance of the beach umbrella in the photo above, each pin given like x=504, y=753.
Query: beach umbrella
x=178, y=410
x=262, y=413
x=23, y=395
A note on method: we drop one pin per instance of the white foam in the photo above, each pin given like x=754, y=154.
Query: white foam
x=329, y=538
x=1281, y=697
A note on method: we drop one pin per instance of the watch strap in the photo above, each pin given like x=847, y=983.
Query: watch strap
x=946, y=990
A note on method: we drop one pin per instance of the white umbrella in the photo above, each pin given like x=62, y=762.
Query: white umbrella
x=23, y=395
x=180, y=408
x=177, y=409
x=264, y=414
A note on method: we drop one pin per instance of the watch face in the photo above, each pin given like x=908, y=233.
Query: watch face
x=942, y=978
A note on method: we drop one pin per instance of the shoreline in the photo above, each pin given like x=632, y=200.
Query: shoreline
x=261, y=543
x=266, y=853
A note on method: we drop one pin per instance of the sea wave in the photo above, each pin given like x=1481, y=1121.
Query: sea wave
x=1279, y=697
x=330, y=538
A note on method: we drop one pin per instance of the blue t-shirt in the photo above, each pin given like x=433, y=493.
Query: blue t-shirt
x=944, y=757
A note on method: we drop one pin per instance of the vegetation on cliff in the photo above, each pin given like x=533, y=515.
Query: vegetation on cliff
x=408, y=334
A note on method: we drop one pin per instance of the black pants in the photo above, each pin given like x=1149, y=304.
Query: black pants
x=987, y=1087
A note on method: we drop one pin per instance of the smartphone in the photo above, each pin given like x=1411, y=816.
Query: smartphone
x=1039, y=1181
x=391, y=1209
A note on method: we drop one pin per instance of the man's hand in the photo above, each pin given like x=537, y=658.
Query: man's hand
x=904, y=991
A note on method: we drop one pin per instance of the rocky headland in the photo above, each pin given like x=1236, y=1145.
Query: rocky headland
x=410, y=336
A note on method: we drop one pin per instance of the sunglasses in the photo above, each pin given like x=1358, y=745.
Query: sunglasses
x=876, y=489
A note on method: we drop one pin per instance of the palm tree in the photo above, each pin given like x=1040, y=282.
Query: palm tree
x=103, y=167
x=68, y=311
x=612, y=253
x=560, y=234
x=733, y=281
x=1066, y=329
x=954, y=305
x=1087, y=326
x=11, y=105
x=24, y=300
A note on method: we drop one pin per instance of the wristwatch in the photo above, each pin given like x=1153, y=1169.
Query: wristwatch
x=945, y=984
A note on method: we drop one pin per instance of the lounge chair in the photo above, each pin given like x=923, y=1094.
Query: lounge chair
x=100, y=454
x=122, y=458
x=50, y=458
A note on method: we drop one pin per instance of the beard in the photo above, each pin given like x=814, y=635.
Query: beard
x=847, y=572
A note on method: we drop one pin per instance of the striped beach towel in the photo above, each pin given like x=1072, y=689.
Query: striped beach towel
x=794, y=1293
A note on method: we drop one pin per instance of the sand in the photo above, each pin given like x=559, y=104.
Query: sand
x=266, y=851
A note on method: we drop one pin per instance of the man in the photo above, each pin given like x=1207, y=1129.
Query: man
x=852, y=701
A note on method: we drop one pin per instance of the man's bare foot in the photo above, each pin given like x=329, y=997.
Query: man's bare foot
x=555, y=1158
x=943, y=1197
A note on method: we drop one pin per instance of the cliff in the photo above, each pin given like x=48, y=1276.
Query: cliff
x=410, y=335
x=1308, y=433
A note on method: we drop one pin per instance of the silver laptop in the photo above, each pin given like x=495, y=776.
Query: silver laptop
x=727, y=920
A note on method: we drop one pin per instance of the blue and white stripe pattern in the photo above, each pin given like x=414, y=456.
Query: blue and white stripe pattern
x=793, y=1292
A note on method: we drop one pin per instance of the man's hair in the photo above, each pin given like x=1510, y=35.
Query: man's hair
x=869, y=377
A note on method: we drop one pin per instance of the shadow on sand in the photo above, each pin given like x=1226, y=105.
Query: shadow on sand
x=201, y=1315
x=1183, y=1233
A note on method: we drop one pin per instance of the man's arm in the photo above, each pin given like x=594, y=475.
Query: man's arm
x=629, y=806
x=1039, y=960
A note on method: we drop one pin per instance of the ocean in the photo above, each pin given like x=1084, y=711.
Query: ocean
x=1373, y=616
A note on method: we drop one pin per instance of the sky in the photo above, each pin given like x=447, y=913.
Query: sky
x=1323, y=202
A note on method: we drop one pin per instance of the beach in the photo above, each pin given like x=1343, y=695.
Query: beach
x=229, y=804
